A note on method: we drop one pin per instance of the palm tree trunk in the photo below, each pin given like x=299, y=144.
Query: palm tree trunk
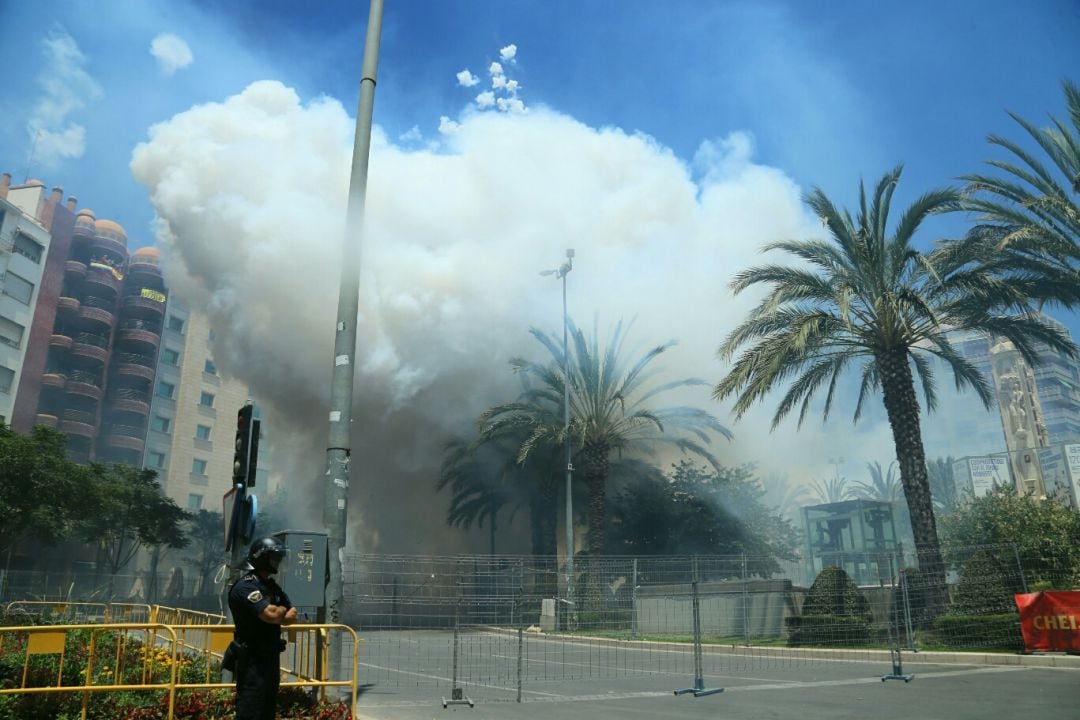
x=596, y=472
x=902, y=406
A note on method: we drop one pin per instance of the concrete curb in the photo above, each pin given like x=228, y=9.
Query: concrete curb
x=849, y=655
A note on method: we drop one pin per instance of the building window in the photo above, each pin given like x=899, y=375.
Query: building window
x=176, y=324
x=202, y=432
x=7, y=377
x=206, y=399
x=19, y=288
x=11, y=332
x=198, y=467
x=170, y=356
x=161, y=424
x=156, y=459
x=194, y=502
x=209, y=368
x=166, y=390
x=211, y=335
x=28, y=248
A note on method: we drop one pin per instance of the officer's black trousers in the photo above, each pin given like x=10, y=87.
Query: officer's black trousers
x=257, y=680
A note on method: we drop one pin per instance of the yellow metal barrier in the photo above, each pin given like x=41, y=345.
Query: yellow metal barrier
x=164, y=658
x=183, y=616
x=74, y=612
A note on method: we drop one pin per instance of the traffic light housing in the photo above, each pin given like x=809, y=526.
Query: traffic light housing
x=246, y=457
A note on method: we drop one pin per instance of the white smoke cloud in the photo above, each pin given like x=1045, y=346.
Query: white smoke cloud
x=467, y=79
x=508, y=53
x=66, y=88
x=171, y=52
x=251, y=196
x=485, y=99
x=495, y=69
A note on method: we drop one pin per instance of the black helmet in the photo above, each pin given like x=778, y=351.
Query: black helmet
x=266, y=554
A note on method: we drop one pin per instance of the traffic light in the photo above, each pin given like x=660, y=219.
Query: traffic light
x=246, y=457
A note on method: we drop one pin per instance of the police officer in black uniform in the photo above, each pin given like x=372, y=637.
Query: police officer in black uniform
x=259, y=608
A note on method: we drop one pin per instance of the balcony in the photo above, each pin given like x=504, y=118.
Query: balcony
x=132, y=370
x=98, y=278
x=53, y=380
x=83, y=389
x=77, y=429
x=74, y=270
x=97, y=316
x=135, y=333
x=90, y=346
x=140, y=266
x=68, y=305
x=123, y=442
x=136, y=407
x=130, y=358
x=47, y=420
x=61, y=341
x=144, y=306
x=79, y=416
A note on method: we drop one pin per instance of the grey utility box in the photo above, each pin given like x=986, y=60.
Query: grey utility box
x=305, y=572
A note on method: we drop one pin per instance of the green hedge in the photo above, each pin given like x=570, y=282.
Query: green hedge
x=979, y=631
x=828, y=630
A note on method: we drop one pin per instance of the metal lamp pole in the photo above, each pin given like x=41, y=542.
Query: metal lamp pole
x=561, y=273
x=335, y=490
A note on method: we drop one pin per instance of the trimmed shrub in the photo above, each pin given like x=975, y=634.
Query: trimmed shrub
x=979, y=631
x=835, y=612
x=986, y=586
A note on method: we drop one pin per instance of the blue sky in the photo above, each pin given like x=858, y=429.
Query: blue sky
x=664, y=140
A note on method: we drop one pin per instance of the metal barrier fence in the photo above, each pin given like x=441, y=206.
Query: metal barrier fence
x=87, y=660
x=489, y=625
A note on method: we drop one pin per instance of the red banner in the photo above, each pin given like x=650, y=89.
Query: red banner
x=1050, y=620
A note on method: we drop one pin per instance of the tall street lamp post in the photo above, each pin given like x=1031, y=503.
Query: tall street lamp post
x=561, y=273
x=335, y=489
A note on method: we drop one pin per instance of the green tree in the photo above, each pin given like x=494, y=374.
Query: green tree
x=943, y=484
x=830, y=490
x=883, y=485
x=125, y=511
x=206, y=536
x=484, y=478
x=40, y=492
x=780, y=494
x=696, y=510
x=1045, y=532
x=612, y=412
x=868, y=296
x=1029, y=209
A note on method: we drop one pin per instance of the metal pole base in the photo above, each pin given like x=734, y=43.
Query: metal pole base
x=897, y=669
x=457, y=697
x=699, y=689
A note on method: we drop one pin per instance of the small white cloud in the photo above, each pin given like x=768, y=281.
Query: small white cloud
x=511, y=105
x=495, y=69
x=171, y=52
x=448, y=126
x=512, y=86
x=499, y=81
x=485, y=99
x=508, y=53
x=466, y=78
x=413, y=135
x=66, y=89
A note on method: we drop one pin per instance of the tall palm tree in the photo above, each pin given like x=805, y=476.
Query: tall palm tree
x=830, y=490
x=786, y=498
x=883, y=485
x=867, y=296
x=484, y=479
x=1029, y=209
x=611, y=411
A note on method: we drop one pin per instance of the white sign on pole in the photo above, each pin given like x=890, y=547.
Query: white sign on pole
x=1072, y=460
x=988, y=472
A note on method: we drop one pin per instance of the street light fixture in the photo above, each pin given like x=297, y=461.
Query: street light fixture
x=561, y=272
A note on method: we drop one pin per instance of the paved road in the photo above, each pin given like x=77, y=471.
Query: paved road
x=408, y=676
